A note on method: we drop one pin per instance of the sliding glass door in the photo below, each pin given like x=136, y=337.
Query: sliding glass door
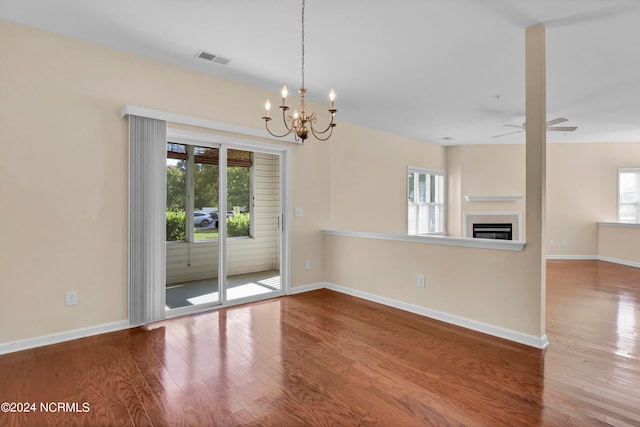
x=193, y=244
x=223, y=222
x=253, y=226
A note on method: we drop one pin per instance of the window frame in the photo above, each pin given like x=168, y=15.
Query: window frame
x=443, y=204
x=628, y=170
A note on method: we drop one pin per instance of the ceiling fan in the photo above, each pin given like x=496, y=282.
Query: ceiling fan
x=550, y=127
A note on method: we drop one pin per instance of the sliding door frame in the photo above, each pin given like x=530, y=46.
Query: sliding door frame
x=224, y=143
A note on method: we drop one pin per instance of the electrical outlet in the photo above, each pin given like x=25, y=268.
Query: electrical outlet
x=551, y=243
x=70, y=298
x=564, y=243
x=421, y=281
x=307, y=265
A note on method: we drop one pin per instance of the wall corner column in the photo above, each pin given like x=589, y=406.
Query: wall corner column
x=536, y=158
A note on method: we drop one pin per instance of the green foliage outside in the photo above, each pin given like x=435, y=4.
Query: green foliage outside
x=176, y=186
x=206, y=186
x=176, y=229
x=239, y=225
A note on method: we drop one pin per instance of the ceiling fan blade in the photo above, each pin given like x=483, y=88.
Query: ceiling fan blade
x=563, y=128
x=505, y=134
x=516, y=126
x=557, y=121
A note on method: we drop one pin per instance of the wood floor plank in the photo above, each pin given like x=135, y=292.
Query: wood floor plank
x=324, y=358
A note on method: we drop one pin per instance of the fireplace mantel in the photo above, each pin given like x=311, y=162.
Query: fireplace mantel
x=492, y=198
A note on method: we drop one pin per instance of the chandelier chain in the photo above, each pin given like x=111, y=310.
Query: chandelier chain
x=303, y=43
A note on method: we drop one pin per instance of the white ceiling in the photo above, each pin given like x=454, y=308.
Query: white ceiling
x=427, y=69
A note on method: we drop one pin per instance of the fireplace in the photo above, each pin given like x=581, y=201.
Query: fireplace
x=508, y=225
x=500, y=231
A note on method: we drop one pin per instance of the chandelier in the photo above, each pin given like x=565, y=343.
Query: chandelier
x=301, y=124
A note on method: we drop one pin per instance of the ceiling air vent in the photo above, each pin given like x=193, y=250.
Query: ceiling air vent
x=212, y=57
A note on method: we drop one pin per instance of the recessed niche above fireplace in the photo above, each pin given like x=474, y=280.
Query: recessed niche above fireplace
x=492, y=220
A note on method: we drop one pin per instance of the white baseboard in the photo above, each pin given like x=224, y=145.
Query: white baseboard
x=305, y=288
x=496, y=331
x=508, y=334
x=620, y=261
x=594, y=257
x=571, y=257
x=59, y=337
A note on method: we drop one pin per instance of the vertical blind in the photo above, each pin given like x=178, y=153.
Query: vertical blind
x=147, y=187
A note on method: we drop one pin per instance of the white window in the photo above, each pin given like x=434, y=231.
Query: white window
x=425, y=207
x=629, y=195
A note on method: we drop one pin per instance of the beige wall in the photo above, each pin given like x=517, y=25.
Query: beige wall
x=368, y=193
x=64, y=174
x=619, y=243
x=489, y=286
x=581, y=187
x=64, y=162
x=454, y=191
x=484, y=170
x=369, y=178
x=582, y=190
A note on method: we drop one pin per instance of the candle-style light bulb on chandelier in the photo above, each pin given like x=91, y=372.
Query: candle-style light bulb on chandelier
x=301, y=124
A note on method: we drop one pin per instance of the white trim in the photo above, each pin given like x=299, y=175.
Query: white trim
x=59, y=337
x=286, y=171
x=595, y=258
x=622, y=170
x=208, y=139
x=492, y=198
x=199, y=122
x=620, y=261
x=618, y=224
x=444, y=197
x=502, y=245
x=306, y=288
x=222, y=224
x=496, y=331
x=573, y=257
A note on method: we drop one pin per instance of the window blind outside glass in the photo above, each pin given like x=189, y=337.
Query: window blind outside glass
x=629, y=196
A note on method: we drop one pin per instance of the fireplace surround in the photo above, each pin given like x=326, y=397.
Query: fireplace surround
x=514, y=219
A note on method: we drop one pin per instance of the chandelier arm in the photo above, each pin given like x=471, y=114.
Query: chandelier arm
x=331, y=125
x=266, y=125
x=315, y=135
x=285, y=119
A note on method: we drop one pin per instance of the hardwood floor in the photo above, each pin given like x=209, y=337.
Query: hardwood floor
x=323, y=358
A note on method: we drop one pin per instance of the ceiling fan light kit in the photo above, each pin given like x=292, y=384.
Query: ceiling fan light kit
x=301, y=124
